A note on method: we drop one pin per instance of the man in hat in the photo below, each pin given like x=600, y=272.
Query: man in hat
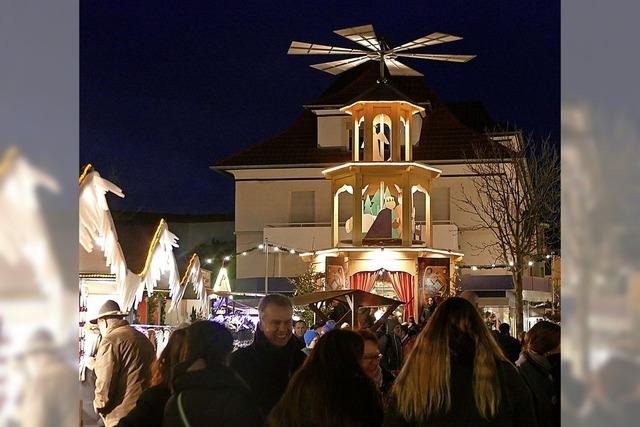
x=122, y=365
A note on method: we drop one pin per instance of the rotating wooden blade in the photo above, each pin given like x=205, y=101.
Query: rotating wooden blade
x=438, y=57
x=302, y=48
x=337, y=67
x=364, y=35
x=431, y=39
x=397, y=68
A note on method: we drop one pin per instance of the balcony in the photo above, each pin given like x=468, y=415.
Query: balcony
x=302, y=236
x=445, y=234
x=317, y=235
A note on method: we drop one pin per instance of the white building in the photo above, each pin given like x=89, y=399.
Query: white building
x=283, y=197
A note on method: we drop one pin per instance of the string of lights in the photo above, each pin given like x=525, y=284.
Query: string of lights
x=530, y=263
x=274, y=248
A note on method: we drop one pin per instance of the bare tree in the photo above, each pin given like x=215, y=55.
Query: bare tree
x=515, y=194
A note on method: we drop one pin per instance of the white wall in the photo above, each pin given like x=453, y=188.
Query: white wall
x=263, y=197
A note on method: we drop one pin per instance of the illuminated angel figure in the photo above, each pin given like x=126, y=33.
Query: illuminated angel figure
x=381, y=137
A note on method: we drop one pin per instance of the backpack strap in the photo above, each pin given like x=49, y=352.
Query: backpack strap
x=183, y=416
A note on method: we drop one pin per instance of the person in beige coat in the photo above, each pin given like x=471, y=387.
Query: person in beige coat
x=122, y=364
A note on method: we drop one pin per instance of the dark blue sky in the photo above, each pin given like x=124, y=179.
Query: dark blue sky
x=167, y=88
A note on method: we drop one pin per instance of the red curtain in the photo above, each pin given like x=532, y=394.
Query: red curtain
x=363, y=280
x=403, y=285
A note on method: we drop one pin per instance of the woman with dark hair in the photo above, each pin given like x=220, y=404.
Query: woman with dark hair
x=331, y=388
x=456, y=375
x=381, y=377
x=206, y=392
x=539, y=365
x=149, y=408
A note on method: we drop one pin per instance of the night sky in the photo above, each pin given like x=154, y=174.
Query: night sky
x=168, y=88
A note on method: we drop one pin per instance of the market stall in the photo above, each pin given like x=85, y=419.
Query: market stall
x=353, y=298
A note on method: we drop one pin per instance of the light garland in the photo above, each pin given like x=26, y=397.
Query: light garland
x=275, y=248
x=531, y=263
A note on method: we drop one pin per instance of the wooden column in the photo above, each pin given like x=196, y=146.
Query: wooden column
x=368, y=133
x=407, y=207
x=356, y=138
x=428, y=227
x=357, y=209
x=334, y=215
x=396, y=143
x=407, y=139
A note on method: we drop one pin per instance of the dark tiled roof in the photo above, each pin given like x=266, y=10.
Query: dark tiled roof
x=296, y=145
x=474, y=115
x=444, y=135
x=135, y=239
x=353, y=83
x=136, y=231
x=382, y=92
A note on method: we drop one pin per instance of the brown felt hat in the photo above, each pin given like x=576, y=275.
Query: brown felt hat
x=109, y=309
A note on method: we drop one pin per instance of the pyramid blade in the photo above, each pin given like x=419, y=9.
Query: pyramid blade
x=336, y=67
x=302, y=48
x=364, y=35
x=399, y=69
x=439, y=57
x=431, y=39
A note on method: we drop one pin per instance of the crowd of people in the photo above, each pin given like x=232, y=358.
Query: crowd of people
x=448, y=370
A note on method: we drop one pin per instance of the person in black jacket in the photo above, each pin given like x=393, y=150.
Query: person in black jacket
x=149, y=408
x=456, y=375
x=535, y=365
x=275, y=354
x=510, y=346
x=331, y=389
x=206, y=392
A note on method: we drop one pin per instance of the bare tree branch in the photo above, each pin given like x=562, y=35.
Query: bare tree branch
x=514, y=194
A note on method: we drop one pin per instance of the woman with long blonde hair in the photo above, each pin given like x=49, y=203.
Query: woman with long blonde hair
x=456, y=375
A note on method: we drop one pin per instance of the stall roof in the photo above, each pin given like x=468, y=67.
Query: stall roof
x=365, y=299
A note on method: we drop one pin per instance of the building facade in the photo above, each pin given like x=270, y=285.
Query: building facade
x=366, y=178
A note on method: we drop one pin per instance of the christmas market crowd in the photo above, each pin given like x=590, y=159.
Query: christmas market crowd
x=446, y=369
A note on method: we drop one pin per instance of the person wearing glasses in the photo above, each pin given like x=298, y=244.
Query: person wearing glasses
x=382, y=378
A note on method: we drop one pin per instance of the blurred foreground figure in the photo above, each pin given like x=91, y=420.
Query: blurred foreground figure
x=539, y=366
x=615, y=394
x=206, y=392
x=275, y=354
x=50, y=386
x=33, y=292
x=122, y=365
x=331, y=389
x=456, y=375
